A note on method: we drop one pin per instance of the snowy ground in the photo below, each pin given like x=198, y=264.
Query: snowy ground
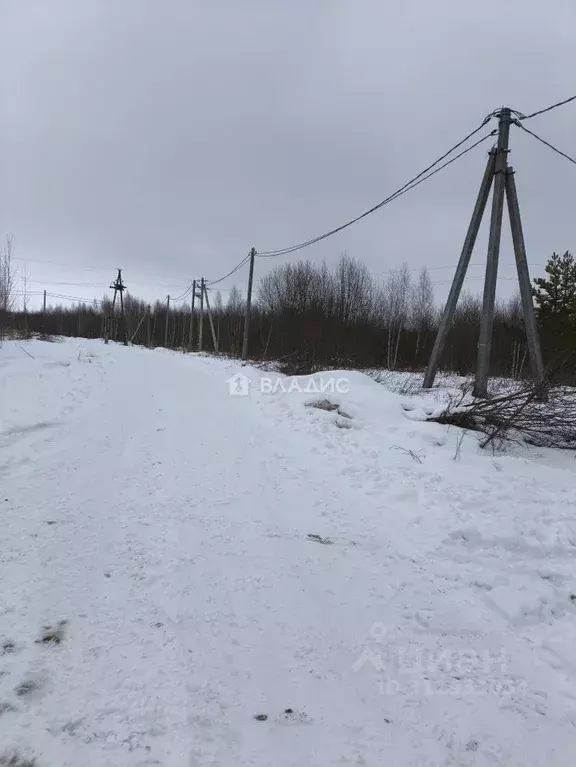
x=246, y=580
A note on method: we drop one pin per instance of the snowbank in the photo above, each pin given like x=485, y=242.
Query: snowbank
x=248, y=579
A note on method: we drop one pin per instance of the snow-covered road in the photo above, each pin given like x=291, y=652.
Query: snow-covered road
x=251, y=581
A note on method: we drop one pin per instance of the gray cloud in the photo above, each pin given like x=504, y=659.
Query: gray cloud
x=169, y=137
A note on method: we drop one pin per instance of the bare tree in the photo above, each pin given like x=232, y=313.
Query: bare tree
x=293, y=288
x=422, y=308
x=8, y=276
x=8, y=280
x=25, y=291
x=235, y=319
x=397, y=292
x=25, y=298
x=235, y=302
x=353, y=289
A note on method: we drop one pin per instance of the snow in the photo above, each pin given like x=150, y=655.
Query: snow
x=373, y=587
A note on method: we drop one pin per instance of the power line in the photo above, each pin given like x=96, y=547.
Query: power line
x=62, y=263
x=546, y=109
x=93, y=268
x=418, y=179
x=101, y=285
x=72, y=298
x=184, y=295
x=75, y=284
x=473, y=278
x=238, y=266
x=547, y=143
x=406, y=188
x=98, y=268
x=57, y=296
x=378, y=276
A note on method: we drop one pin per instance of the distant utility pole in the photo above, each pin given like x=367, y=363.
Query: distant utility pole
x=201, y=320
x=248, y=305
x=44, y=314
x=117, y=286
x=138, y=326
x=497, y=171
x=167, y=321
x=191, y=329
x=214, y=338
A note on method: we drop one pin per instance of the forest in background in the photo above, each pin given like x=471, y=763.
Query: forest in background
x=308, y=316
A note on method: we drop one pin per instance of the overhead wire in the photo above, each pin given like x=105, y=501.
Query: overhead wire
x=424, y=175
x=505, y=278
x=62, y=263
x=444, y=266
x=546, y=109
x=408, y=186
x=101, y=284
x=543, y=141
x=75, y=284
x=63, y=297
x=98, y=269
x=238, y=266
x=421, y=177
x=184, y=295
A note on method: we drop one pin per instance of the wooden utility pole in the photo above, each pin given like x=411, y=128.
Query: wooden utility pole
x=123, y=329
x=248, y=305
x=201, y=319
x=167, y=320
x=214, y=338
x=135, y=333
x=148, y=326
x=191, y=329
x=117, y=286
x=44, y=314
x=497, y=171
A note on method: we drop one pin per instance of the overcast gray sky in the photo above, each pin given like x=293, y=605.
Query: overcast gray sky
x=167, y=137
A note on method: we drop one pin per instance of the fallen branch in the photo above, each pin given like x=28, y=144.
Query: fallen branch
x=543, y=415
x=26, y=352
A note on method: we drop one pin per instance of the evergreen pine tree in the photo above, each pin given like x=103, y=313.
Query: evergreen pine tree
x=556, y=294
x=555, y=297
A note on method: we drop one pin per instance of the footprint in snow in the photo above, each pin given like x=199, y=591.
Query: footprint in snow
x=290, y=716
x=8, y=647
x=33, y=684
x=52, y=634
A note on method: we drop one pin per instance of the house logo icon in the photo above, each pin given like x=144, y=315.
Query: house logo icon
x=238, y=385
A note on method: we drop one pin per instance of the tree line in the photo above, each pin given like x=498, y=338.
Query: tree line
x=308, y=316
